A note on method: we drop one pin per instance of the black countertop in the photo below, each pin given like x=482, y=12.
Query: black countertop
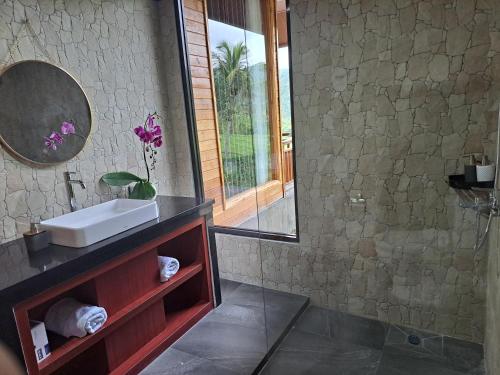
x=23, y=275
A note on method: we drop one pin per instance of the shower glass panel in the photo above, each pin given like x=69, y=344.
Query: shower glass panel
x=238, y=63
x=249, y=62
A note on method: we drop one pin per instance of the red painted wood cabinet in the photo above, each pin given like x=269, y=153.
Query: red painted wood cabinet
x=144, y=315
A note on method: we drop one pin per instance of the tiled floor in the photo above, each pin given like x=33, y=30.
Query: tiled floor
x=329, y=342
x=234, y=338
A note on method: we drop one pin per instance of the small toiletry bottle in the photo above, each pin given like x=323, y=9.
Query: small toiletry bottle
x=36, y=239
x=470, y=170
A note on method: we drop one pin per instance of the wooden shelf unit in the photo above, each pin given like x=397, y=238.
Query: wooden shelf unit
x=144, y=315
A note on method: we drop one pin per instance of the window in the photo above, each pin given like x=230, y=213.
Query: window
x=239, y=60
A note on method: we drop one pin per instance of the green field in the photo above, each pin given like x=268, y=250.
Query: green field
x=237, y=145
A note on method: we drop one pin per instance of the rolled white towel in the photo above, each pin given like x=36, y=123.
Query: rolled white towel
x=168, y=267
x=68, y=317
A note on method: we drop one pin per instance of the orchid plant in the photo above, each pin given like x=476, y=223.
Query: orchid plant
x=56, y=138
x=151, y=139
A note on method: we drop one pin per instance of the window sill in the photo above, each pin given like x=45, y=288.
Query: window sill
x=250, y=233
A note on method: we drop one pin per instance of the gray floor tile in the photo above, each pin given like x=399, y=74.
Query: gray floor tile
x=246, y=316
x=429, y=342
x=275, y=310
x=307, y=353
x=246, y=295
x=273, y=316
x=464, y=355
x=298, y=341
x=227, y=287
x=176, y=362
x=289, y=363
x=401, y=361
x=226, y=344
x=357, y=330
x=250, y=295
x=329, y=342
x=235, y=337
x=346, y=327
x=314, y=320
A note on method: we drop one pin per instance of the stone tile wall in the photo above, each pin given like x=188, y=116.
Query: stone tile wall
x=124, y=53
x=492, y=330
x=388, y=97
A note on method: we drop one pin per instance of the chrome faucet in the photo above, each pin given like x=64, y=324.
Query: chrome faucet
x=69, y=183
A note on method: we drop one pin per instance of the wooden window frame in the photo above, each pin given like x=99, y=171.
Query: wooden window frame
x=197, y=109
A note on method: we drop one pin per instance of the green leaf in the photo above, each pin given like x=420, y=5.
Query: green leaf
x=143, y=190
x=120, y=178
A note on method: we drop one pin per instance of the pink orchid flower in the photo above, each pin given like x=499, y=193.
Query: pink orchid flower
x=150, y=132
x=67, y=128
x=53, y=140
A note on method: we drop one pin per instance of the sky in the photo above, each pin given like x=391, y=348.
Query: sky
x=220, y=32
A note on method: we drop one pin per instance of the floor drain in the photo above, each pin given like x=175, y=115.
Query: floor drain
x=413, y=339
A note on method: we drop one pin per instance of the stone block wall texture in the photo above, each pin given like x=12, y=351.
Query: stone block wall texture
x=388, y=97
x=124, y=54
x=492, y=330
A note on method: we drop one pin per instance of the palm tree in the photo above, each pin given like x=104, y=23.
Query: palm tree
x=233, y=107
x=231, y=80
x=230, y=65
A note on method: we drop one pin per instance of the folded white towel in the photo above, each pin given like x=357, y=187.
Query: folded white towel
x=168, y=267
x=68, y=317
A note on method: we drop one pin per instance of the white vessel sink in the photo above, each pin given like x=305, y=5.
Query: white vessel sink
x=90, y=225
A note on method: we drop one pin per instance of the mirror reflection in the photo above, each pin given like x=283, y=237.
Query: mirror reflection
x=45, y=116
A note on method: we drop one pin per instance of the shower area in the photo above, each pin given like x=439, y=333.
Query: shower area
x=391, y=270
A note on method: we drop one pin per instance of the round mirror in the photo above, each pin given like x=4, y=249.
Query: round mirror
x=45, y=116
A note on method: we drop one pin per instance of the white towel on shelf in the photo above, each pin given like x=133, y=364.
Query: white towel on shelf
x=68, y=317
x=168, y=267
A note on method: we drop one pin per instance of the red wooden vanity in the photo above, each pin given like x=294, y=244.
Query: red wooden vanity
x=144, y=315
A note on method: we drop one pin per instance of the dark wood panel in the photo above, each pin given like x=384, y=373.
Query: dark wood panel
x=203, y=104
x=208, y=145
x=202, y=93
x=130, y=338
x=231, y=12
x=209, y=155
x=176, y=327
x=196, y=50
x=194, y=4
x=195, y=27
x=140, y=318
x=200, y=72
x=198, y=61
x=210, y=164
x=202, y=125
x=211, y=184
x=203, y=114
x=194, y=15
x=92, y=361
x=207, y=135
x=201, y=83
x=198, y=39
x=211, y=174
x=127, y=282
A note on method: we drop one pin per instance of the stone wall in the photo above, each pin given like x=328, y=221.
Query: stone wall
x=492, y=330
x=125, y=55
x=388, y=97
